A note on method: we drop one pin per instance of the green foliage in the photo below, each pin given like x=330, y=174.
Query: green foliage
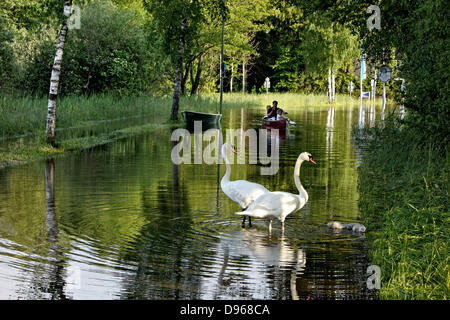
x=291, y=76
x=31, y=14
x=404, y=197
x=300, y=49
x=6, y=53
x=326, y=45
x=169, y=14
x=111, y=52
x=419, y=33
x=426, y=69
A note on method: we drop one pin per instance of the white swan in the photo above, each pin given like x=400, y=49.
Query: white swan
x=280, y=204
x=241, y=191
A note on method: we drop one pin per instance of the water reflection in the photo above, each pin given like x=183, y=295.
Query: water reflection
x=278, y=253
x=372, y=116
x=48, y=280
x=134, y=225
x=56, y=269
x=330, y=129
x=361, y=116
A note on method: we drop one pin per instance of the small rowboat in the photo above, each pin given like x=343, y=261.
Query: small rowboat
x=206, y=118
x=274, y=124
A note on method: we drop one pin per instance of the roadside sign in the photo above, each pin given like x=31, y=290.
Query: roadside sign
x=267, y=84
x=385, y=73
x=363, y=68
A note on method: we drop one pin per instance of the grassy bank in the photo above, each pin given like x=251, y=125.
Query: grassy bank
x=404, y=197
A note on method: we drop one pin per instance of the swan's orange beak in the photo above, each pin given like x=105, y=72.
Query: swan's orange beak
x=233, y=148
x=311, y=160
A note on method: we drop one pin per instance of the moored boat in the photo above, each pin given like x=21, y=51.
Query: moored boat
x=207, y=118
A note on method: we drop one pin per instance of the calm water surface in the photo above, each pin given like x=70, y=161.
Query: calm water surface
x=123, y=222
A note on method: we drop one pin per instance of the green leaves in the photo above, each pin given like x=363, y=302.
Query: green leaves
x=115, y=50
x=327, y=45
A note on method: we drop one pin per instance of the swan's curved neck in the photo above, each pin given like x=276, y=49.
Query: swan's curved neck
x=298, y=184
x=226, y=177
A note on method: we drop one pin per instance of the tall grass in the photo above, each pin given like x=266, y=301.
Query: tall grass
x=404, y=197
x=27, y=115
x=83, y=122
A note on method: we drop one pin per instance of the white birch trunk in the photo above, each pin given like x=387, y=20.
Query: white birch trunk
x=333, y=87
x=54, y=78
x=231, y=79
x=178, y=74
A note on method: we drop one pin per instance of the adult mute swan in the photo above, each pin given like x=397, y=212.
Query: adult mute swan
x=280, y=204
x=241, y=191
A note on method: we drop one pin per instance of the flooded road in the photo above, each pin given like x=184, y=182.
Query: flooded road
x=123, y=222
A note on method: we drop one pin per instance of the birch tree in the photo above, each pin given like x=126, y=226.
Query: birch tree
x=246, y=18
x=54, y=78
x=326, y=48
x=178, y=72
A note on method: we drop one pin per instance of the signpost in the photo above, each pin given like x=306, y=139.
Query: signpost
x=363, y=76
x=374, y=85
x=385, y=75
x=267, y=85
x=350, y=88
x=372, y=89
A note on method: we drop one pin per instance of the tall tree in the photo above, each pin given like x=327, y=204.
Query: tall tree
x=181, y=20
x=327, y=47
x=54, y=78
x=246, y=19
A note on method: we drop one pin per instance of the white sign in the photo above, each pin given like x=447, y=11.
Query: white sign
x=267, y=83
x=385, y=73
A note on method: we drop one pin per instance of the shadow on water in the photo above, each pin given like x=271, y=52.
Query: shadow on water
x=125, y=222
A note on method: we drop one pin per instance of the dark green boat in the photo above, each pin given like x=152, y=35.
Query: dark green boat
x=211, y=119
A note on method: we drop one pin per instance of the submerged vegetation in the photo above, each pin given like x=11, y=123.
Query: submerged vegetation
x=90, y=121
x=117, y=75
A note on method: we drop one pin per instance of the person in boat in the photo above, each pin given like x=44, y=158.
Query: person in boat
x=280, y=116
x=271, y=111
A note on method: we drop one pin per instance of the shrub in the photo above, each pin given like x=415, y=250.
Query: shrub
x=109, y=53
